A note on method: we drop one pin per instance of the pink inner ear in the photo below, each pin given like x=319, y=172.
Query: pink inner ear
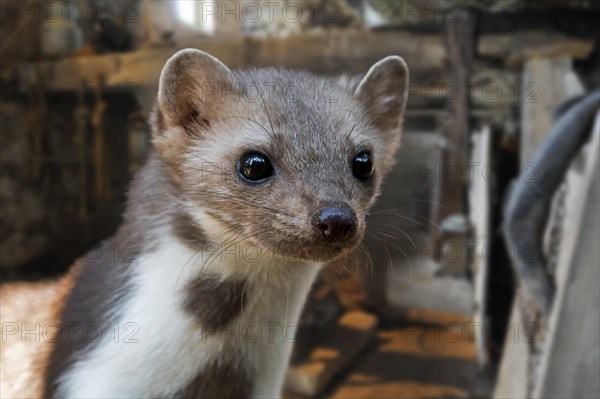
x=384, y=104
x=185, y=75
x=383, y=91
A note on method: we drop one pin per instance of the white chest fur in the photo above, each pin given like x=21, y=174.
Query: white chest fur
x=156, y=348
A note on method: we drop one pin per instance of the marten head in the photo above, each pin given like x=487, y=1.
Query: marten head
x=288, y=161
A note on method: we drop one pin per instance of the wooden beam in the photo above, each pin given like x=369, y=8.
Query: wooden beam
x=516, y=48
x=327, y=52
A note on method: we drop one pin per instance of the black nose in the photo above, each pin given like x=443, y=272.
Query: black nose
x=335, y=224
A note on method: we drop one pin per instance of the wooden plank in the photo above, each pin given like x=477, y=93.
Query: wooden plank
x=571, y=364
x=545, y=88
x=329, y=52
x=512, y=376
x=353, y=332
x=435, y=361
x=479, y=205
x=517, y=48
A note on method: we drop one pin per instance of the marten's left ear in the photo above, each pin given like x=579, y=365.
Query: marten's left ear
x=190, y=90
x=384, y=92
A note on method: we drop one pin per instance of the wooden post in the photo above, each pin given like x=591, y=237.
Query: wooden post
x=459, y=44
x=479, y=215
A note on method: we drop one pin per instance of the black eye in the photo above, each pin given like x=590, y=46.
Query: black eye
x=362, y=166
x=255, y=167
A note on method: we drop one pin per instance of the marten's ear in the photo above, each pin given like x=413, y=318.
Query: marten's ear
x=190, y=90
x=384, y=92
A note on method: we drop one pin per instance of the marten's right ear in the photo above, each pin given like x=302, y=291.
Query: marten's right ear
x=190, y=90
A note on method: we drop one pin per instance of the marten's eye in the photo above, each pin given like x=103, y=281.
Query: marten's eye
x=362, y=166
x=255, y=167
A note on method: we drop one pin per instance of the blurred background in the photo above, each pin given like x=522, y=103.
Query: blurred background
x=428, y=310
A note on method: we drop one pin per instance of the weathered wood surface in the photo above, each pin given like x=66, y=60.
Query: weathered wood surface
x=328, y=52
x=416, y=361
x=571, y=365
x=331, y=52
x=480, y=218
x=354, y=330
x=566, y=359
x=544, y=89
x=460, y=36
x=325, y=51
x=512, y=375
x=517, y=48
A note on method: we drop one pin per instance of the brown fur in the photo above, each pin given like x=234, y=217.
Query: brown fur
x=103, y=280
x=214, y=301
x=188, y=231
x=25, y=357
x=223, y=380
x=100, y=286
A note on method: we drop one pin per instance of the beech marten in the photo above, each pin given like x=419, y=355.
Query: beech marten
x=256, y=178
